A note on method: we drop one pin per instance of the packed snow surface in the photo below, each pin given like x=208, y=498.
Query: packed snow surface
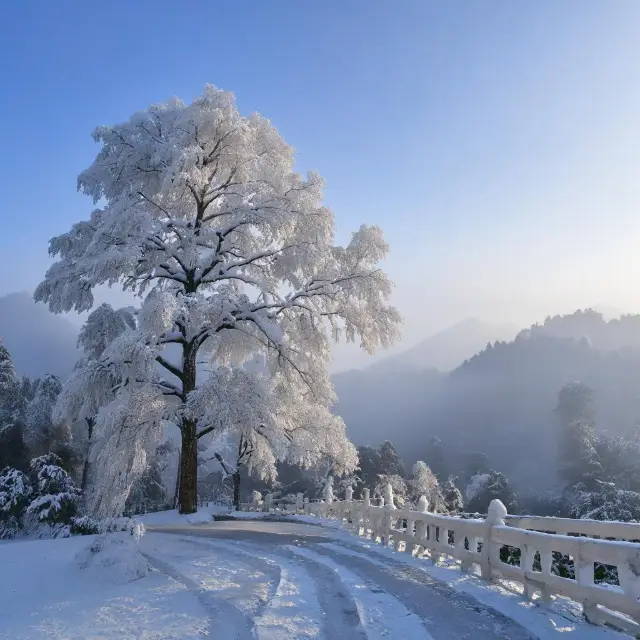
x=260, y=580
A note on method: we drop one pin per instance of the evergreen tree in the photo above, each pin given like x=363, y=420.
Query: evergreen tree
x=390, y=461
x=56, y=497
x=9, y=388
x=370, y=467
x=453, y=501
x=578, y=460
x=435, y=458
x=425, y=483
x=485, y=487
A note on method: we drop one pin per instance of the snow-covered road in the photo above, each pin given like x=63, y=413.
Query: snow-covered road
x=271, y=580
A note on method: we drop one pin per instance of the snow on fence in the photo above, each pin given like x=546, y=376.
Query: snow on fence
x=536, y=538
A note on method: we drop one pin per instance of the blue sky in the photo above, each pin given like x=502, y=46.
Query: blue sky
x=497, y=143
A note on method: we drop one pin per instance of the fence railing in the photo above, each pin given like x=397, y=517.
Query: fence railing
x=482, y=542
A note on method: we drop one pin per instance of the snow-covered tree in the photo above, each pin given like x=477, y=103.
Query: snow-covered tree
x=203, y=214
x=390, y=460
x=606, y=502
x=55, y=495
x=485, y=487
x=9, y=387
x=577, y=453
x=453, y=501
x=424, y=483
x=15, y=493
x=93, y=383
x=39, y=421
x=397, y=484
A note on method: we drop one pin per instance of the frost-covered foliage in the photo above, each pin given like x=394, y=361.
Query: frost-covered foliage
x=327, y=490
x=453, y=500
x=56, y=497
x=204, y=215
x=15, y=493
x=39, y=420
x=424, y=483
x=485, y=487
x=390, y=460
x=606, y=503
x=397, y=484
x=9, y=386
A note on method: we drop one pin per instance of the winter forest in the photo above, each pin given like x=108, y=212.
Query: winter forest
x=215, y=387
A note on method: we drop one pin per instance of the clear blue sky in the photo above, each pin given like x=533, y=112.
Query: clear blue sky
x=496, y=142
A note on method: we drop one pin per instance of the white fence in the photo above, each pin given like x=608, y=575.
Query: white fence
x=479, y=542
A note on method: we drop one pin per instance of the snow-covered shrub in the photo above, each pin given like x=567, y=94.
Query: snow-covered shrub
x=131, y=526
x=56, y=495
x=256, y=499
x=114, y=557
x=606, y=503
x=85, y=526
x=15, y=491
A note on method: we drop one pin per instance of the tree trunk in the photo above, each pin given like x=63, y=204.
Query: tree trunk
x=85, y=466
x=176, y=494
x=188, y=490
x=236, y=489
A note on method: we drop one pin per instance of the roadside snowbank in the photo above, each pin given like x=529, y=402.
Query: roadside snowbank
x=114, y=557
x=44, y=594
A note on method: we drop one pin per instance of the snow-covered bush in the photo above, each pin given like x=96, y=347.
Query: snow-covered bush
x=256, y=499
x=56, y=495
x=85, y=526
x=15, y=492
x=114, y=558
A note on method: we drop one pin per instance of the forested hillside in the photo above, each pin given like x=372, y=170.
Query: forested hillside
x=501, y=401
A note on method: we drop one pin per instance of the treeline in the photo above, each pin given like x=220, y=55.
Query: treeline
x=599, y=474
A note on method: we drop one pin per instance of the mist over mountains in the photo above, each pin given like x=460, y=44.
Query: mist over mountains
x=39, y=341
x=477, y=386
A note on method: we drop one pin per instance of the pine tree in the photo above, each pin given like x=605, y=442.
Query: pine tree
x=390, y=461
x=9, y=388
x=453, y=500
x=578, y=460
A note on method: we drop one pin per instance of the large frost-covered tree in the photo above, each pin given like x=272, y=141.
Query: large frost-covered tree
x=202, y=215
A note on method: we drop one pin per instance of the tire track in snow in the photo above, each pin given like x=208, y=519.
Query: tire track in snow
x=448, y=613
x=226, y=620
x=294, y=610
x=340, y=614
x=382, y=615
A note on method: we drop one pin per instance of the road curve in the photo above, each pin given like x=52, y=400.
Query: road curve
x=270, y=580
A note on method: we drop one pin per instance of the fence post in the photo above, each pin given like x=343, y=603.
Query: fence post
x=389, y=507
x=306, y=505
x=366, y=504
x=268, y=501
x=490, y=550
x=421, y=525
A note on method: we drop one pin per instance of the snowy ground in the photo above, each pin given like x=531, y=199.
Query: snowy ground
x=261, y=580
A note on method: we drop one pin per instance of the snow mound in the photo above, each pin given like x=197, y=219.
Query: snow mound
x=114, y=558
